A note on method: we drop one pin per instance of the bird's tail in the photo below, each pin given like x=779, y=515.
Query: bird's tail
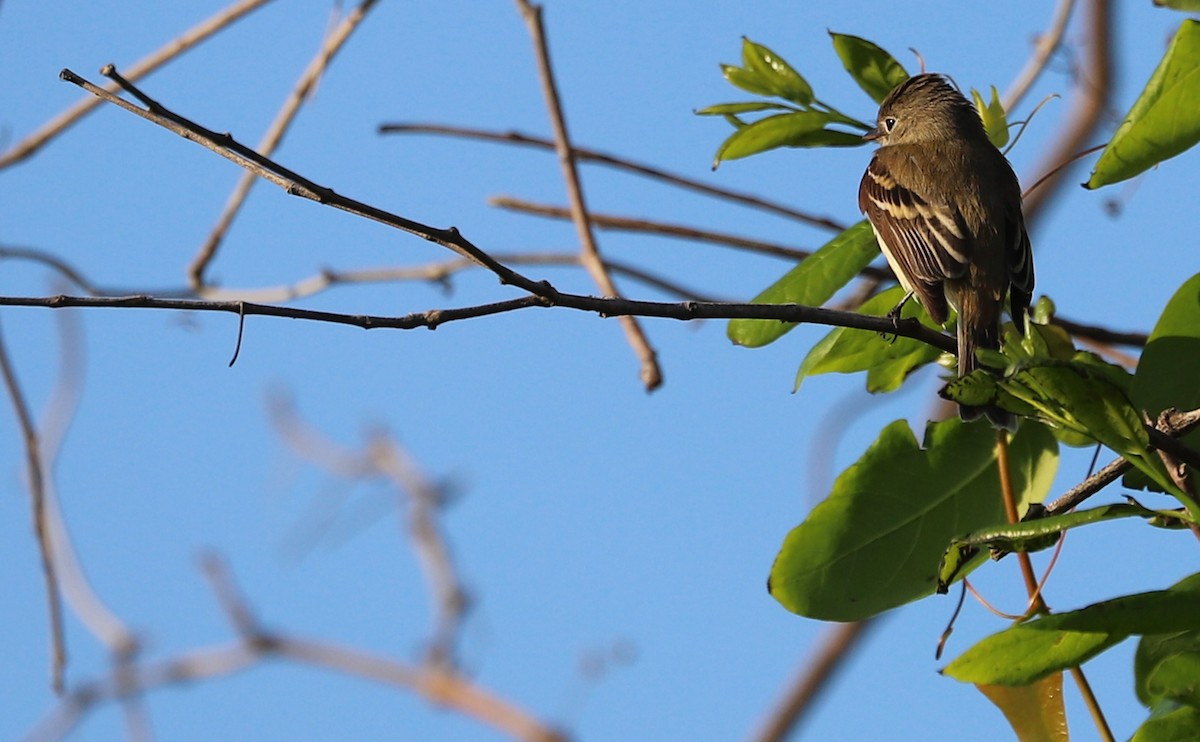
x=979, y=327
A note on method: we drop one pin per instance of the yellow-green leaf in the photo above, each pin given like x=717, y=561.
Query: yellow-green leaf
x=994, y=119
x=1035, y=711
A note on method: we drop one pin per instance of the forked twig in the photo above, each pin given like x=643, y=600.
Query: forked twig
x=287, y=114
x=190, y=38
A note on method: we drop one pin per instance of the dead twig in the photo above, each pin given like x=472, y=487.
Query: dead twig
x=190, y=38
x=274, y=136
x=37, y=492
x=651, y=372
x=584, y=154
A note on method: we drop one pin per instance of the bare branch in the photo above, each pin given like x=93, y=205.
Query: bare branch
x=1045, y=47
x=425, y=501
x=287, y=114
x=814, y=678
x=437, y=685
x=1093, y=87
x=621, y=163
x=1172, y=423
x=294, y=183
x=651, y=372
x=1102, y=334
x=609, y=307
x=37, y=492
x=680, y=231
x=190, y=38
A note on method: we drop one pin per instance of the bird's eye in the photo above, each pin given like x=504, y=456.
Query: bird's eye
x=889, y=123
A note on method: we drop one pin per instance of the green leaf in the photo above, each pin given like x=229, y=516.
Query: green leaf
x=828, y=138
x=994, y=119
x=1172, y=724
x=780, y=130
x=730, y=109
x=1030, y=651
x=1022, y=654
x=873, y=544
x=875, y=71
x=1164, y=120
x=887, y=361
x=1186, y=5
x=747, y=80
x=1155, y=650
x=784, y=81
x=1085, y=395
x=817, y=278
x=1177, y=677
x=1170, y=364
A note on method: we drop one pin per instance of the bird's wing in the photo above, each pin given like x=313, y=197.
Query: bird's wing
x=929, y=241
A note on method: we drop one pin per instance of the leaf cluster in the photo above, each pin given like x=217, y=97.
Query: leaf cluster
x=910, y=517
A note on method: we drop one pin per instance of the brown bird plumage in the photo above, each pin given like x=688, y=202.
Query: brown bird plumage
x=946, y=209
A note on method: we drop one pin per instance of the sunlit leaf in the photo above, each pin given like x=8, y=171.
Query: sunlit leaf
x=994, y=119
x=780, y=130
x=874, y=543
x=1187, y=5
x=1029, y=651
x=887, y=361
x=875, y=71
x=747, y=80
x=1165, y=119
x=727, y=109
x=1035, y=711
x=817, y=278
x=784, y=81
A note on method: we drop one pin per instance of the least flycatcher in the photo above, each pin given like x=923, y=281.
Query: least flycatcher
x=946, y=209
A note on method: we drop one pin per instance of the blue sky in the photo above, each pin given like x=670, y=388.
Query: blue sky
x=592, y=515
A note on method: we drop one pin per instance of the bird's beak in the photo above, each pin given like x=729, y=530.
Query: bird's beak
x=872, y=135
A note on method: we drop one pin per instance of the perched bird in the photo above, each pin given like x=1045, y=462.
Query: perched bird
x=946, y=209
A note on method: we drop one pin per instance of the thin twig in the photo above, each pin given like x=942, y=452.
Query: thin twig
x=75, y=276
x=190, y=38
x=37, y=493
x=275, y=133
x=1037, y=604
x=590, y=155
x=1045, y=47
x=666, y=229
x=814, y=678
x=1174, y=423
x=294, y=183
x=437, y=272
x=650, y=372
x=433, y=318
x=1093, y=706
x=1093, y=86
x=445, y=689
x=425, y=501
x=383, y=457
